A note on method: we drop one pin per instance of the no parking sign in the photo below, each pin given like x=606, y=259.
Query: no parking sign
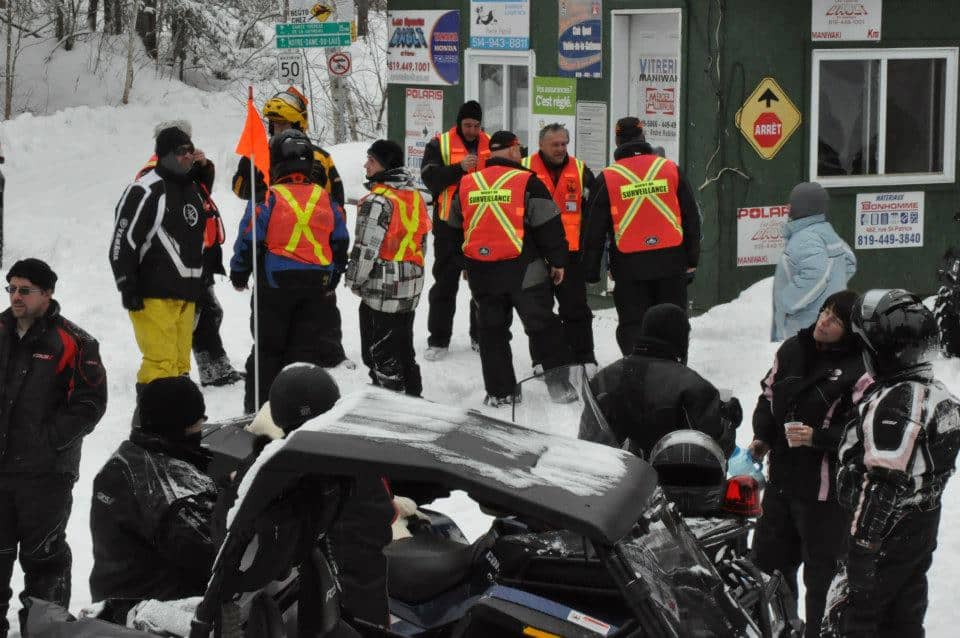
x=339, y=63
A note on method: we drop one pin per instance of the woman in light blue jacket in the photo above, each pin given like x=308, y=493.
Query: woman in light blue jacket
x=815, y=263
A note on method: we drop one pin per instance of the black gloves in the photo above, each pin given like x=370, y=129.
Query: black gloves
x=239, y=279
x=131, y=300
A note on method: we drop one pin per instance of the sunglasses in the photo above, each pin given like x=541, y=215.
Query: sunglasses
x=23, y=290
x=186, y=149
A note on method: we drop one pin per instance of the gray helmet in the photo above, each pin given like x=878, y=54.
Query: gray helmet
x=692, y=471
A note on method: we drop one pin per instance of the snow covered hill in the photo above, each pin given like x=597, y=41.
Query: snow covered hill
x=65, y=173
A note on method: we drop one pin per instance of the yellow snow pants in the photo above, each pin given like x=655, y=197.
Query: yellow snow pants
x=164, y=333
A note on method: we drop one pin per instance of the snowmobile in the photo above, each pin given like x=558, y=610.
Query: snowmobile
x=584, y=543
x=719, y=504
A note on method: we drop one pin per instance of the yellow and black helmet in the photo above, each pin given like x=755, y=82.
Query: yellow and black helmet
x=290, y=106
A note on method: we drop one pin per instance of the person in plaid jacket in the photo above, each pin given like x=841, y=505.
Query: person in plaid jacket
x=386, y=268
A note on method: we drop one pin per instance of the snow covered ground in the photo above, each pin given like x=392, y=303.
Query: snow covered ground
x=65, y=173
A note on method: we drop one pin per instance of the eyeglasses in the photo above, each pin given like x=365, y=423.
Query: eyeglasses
x=23, y=290
x=186, y=149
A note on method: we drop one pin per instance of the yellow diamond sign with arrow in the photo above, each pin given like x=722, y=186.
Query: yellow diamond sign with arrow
x=768, y=118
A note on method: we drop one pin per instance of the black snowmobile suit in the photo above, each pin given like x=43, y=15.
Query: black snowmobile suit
x=650, y=393
x=802, y=521
x=150, y=520
x=895, y=460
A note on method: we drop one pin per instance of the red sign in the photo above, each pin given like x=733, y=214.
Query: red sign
x=339, y=63
x=767, y=129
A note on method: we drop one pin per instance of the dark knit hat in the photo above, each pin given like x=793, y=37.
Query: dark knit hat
x=470, y=109
x=170, y=139
x=387, y=153
x=300, y=392
x=807, y=199
x=170, y=405
x=668, y=323
x=37, y=271
x=503, y=139
x=629, y=129
x=841, y=304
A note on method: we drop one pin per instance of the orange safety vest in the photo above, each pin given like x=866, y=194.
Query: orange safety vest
x=301, y=223
x=213, y=234
x=643, y=203
x=410, y=222
x=452, y=151
x=567, y=193
x=492, y=204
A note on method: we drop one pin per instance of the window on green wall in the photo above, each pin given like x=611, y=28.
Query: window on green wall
x=883, y=116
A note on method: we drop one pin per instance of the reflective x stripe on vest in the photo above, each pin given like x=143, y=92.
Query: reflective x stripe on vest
x=408, y=225
x=655, y=195
x=453, y=151
x=492, y=232
x=567, y=193
x=284, y=237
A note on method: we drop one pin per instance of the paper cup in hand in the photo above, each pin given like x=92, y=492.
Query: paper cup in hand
x=790, y=427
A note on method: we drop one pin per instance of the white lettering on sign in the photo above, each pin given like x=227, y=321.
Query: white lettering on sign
x=767, y=129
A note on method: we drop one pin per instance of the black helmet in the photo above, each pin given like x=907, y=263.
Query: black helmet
x=300, y=392
x=897, y=331
x=290, y=153
x=692, y=471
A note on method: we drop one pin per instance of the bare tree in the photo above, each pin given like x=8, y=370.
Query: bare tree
x=132, y=12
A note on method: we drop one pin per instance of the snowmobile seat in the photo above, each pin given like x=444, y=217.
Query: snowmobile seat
x=425, y=565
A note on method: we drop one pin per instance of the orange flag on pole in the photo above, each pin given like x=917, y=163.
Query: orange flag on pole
x=253, y=141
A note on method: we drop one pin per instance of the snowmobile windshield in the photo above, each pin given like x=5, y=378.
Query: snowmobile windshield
x=560, y=402
x=684, y=585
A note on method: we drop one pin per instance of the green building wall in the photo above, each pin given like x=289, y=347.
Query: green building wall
x=748, y=40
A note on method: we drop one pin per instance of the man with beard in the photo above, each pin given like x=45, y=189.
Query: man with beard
x=448, y=157
x=53, y=391
x=157, y=256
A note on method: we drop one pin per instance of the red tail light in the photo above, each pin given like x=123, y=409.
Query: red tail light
x=742, y=497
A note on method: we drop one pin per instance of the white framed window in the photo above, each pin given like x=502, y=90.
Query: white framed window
x=500, y=81
x=883, y=116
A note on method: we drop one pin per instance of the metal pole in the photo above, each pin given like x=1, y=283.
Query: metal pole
x=256, y=305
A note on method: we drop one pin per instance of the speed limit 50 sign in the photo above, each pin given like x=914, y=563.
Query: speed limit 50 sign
x=290, y=67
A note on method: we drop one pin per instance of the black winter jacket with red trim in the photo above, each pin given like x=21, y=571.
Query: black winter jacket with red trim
x=53, y=393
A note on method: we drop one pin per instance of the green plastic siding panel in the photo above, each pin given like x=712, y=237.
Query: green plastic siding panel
x=749, y=40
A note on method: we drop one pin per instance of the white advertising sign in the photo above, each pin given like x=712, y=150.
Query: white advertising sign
x=424, y=119
x=659, y=92
x=423, y=47
x=760, y=234
x=591, y=127
x=835, y=20
x=323, y=11
x=500, y=24
x=889, y=220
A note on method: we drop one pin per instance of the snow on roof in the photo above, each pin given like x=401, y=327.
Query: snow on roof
x=578, y=467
